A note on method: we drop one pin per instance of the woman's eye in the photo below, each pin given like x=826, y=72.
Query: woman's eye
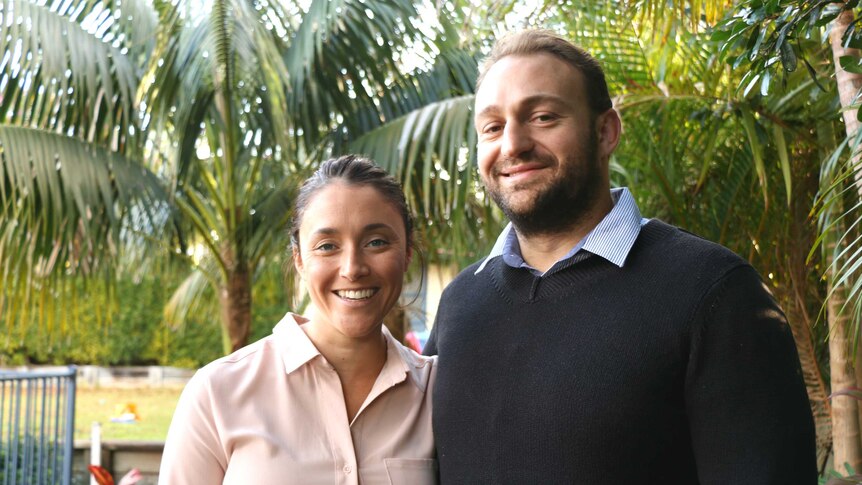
x=325, y=247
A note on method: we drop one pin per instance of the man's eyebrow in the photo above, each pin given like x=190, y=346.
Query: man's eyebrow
x=528, y=101
x=543, y=98
x=487, y=110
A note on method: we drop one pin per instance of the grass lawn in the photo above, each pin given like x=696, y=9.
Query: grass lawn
x=154, y=407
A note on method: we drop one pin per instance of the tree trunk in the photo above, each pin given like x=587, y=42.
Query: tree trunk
x=848, y=83
x=793, y=297
x=845, y=413
x=845, y=417
x=797, y=287
x=235, y=300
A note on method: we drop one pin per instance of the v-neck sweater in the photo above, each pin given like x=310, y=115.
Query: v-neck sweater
x=678, y=367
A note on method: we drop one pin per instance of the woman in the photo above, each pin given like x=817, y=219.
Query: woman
x=328, y=399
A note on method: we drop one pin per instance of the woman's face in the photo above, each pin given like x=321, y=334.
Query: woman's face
x=352, y=257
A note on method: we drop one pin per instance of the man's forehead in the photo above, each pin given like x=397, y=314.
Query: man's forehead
x=532, y=100
x=527, y=80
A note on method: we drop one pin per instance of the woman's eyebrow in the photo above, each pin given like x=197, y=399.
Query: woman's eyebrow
x=377, y=225
x=325, y=231
x=328, y=231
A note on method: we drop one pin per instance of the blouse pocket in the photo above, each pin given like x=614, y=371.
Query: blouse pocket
x=411, y=471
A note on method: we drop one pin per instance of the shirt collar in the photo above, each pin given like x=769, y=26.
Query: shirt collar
x=296, y=347
x=401, y=362
x=298, y=350
x=611, y=239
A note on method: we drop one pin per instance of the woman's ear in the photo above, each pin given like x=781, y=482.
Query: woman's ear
x=409, y=257
x=297, y=262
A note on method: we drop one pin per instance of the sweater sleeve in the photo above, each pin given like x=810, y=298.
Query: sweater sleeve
x=748, y=410
x=431, y=344
x=193, y=454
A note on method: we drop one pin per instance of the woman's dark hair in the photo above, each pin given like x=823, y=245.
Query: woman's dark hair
x=351, y=170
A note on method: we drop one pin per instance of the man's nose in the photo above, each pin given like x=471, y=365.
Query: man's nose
x=353, y=265
x=516, y=140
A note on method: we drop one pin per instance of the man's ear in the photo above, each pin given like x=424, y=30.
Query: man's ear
x=608, y=130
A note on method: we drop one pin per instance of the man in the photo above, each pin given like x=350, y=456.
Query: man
x=593, y=346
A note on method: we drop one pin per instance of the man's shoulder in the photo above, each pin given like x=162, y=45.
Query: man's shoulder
x=683, y=252
x=679, y=240
x=468, y=283
x=468, y=275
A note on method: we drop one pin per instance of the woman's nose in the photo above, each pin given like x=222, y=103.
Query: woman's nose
x=353, y=265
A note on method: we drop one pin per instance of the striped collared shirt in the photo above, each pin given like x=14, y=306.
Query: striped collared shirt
x=611, y=239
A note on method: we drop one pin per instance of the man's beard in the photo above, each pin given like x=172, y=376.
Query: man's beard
x=565, y=202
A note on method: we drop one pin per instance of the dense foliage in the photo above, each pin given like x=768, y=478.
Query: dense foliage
x=127, y=328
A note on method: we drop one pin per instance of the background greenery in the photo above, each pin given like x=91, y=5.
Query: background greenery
x=126, y=328
x=150, y=152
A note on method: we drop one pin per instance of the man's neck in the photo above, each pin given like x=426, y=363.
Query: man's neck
x=542, y=250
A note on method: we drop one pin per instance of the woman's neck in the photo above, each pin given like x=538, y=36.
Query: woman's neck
x=357, y=362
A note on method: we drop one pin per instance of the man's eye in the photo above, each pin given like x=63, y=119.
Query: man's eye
x=376, y=243
x=492, y=128
x=544, y=118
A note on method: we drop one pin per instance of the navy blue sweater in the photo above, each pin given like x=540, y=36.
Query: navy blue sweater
x=677, y=368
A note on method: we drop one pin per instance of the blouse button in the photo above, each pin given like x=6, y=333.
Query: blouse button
x=347, y=469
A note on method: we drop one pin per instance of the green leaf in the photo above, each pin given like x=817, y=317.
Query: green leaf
x=850, y=64
x=754, y=79
x=784, y=159
x=813, y=74
x=764, y=83
x=754, y=144
x=788, y=57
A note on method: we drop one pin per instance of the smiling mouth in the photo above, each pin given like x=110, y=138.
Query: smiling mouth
x=521, y=169
x=356, y=295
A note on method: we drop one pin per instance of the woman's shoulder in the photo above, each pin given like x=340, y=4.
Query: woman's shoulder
x=419, y=359
x=408, y=355
x=421, y=368
x=246, y=360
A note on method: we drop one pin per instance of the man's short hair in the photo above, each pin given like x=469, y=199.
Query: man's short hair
x=537, y=41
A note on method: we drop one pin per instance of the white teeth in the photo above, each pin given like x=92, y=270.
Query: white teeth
x=355, y=294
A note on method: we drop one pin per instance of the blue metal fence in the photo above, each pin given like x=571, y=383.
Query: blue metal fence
x=37, y=426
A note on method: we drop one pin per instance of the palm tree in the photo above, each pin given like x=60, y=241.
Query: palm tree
x=184, y=128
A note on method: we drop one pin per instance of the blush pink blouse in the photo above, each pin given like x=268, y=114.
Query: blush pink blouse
x=273, y=412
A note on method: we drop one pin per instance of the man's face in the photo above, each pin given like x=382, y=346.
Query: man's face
x=538, y=149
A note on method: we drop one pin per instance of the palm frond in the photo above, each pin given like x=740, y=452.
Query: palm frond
x=189, y=296
x=72, y=199
x=342, y=64
x=61, y=77
x=268, y=222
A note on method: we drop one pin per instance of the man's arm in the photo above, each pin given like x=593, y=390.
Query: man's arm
x=431, y=344
x=749, y=415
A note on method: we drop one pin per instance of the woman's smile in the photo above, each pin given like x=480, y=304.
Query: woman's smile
x=356, y=295
x=352, y=257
